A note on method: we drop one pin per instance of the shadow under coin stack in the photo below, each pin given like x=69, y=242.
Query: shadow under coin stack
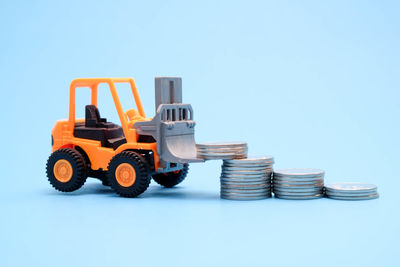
x=222, y=150
x=351, y=191
x=246, y=179
x=298, y=183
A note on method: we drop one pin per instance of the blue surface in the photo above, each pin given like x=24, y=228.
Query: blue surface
x=313, y=84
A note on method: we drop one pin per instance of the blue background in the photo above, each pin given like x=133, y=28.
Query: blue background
x=313, y=83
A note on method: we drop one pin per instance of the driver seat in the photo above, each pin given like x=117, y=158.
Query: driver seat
x=97, y=128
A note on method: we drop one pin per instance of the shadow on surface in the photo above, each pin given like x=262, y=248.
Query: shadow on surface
x=179, y=193
x=87, y=189
x=154, y=191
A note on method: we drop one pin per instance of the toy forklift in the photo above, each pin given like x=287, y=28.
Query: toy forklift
x=124, y=157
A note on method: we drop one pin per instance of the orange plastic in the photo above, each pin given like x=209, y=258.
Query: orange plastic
x=63, y=170
x=125, y=174
x=100, y=156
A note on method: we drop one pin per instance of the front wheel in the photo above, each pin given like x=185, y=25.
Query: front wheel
x=170, y=179
x=66, y=170
x=128, y=174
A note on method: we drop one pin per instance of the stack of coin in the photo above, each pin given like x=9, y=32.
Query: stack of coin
x=351, y=191
x=222, y=150
x=298, y=183
x=247, y=179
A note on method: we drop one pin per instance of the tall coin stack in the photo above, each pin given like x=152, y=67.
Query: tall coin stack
x=246, y=179
x=298, y=183
x=222, y=150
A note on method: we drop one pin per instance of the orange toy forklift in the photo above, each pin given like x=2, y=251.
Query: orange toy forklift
x=124, y=156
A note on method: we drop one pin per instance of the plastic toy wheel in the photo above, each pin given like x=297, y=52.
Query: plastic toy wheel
x=170, y=179
x=128, y=174
x=66, y=170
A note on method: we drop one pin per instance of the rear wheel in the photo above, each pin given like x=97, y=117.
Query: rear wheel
x=128, y=174
x=66, y=170
x=170, y=179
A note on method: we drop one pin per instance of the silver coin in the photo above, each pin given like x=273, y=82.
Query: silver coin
x=341, y=194
x=295, y=183
x=221, y=144
x=258, y=165
x=286, y=193
x=236, y=184
x=295, y=172
x=244, y=181
x=236, y=195
x=222, y=151
x=351, y=187
x=239, y=168
x=218, y=157
x=309, y=191
x=355, y=197
x=240, y=194
x=298, y=197
x=234, y=169
x=248, y=176
x=226, y=148
x=241, y=175
x=302, y=190
x=245, y=191
x=268, y=160
x=266, y=169
x=300, y=185
x=233, y=184
x=253, y=175
x=298, y=179
x=246, y=186
x=220, y=154
x=350, y=191
x=217, y=147
x=244, y=198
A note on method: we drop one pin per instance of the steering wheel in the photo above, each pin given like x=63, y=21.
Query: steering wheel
x=133, y=116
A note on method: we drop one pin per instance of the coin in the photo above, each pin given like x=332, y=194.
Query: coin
x=240, y=175
x=298, y=197
x=297, y=172
x=243, y=195
x=251, y=160
x=222, y=144
x=229, y=197
x=351, y=187
x=355, y=197
x=296, y=190
x=234, y=169
x=295, y=183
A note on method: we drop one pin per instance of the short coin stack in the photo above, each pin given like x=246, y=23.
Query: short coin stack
x=246, y=179
x=298, y=183
x=222, y=150
x=351, y=191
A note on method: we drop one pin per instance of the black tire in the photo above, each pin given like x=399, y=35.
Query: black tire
x=79, y=169
x=170, y=179
x=139, y=164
